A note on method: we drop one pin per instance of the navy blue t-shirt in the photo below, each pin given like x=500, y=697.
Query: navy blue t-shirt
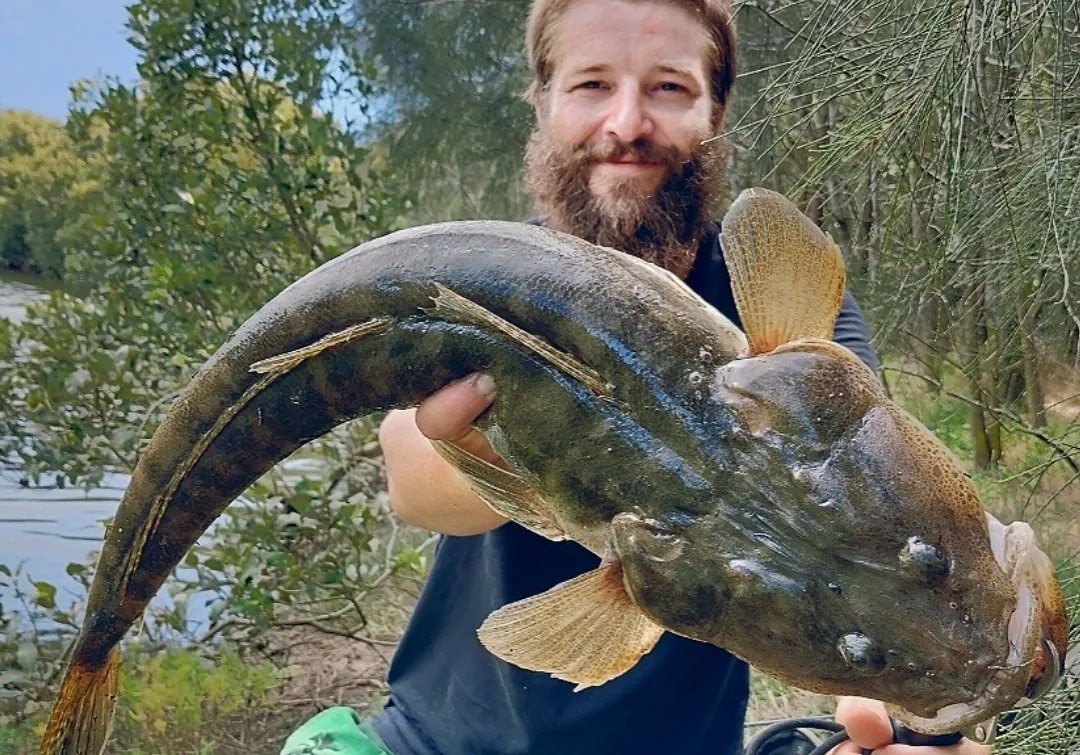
x=450, y=696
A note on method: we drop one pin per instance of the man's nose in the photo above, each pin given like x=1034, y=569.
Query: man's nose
x=628, y=119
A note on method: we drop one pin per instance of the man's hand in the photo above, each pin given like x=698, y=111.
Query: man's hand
x=869, y=727
x=424, y=489
x=449, y=413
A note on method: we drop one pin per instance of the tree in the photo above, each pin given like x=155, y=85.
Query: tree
x=939, y=141
x=43, y=185
x=451, y=112
x=224, y=177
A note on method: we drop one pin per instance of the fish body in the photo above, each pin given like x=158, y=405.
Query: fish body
x=753, y=489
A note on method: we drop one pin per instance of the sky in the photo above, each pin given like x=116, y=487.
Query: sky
x=47, y=45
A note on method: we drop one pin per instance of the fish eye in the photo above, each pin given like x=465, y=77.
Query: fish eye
x=1043, y=682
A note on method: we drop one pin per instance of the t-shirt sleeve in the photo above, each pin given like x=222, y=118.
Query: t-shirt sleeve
x=852, y=331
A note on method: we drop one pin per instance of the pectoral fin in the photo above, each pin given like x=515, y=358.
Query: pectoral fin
x=787, y=275
x=504, y=491
x=586, y=630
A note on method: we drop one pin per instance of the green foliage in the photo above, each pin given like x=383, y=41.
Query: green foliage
x=1033, y=482
x=89, y=376
x=312, y=545
x=311, y=548
x=20, y=738
x=453, y=121
x=44, y=184
x=938, y=141
x=33, y=631
x=181, y=702
x=223, y=178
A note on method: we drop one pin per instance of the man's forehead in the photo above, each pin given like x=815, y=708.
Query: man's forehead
x=594, y=35
x=591, y=62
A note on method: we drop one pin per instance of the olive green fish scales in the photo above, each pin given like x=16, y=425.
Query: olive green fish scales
x=395, y=350
x=759, y=492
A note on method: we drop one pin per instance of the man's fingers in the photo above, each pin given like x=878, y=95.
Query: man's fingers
x=868, y=726
x=847, y=748
x=448, y=413
x=866, y=722
x=964, y=747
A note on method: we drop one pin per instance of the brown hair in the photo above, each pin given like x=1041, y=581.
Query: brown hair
x=715, y=15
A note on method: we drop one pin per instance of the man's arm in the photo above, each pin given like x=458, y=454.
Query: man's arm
x=424, y=489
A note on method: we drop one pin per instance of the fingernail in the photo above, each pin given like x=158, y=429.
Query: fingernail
x=484, y=383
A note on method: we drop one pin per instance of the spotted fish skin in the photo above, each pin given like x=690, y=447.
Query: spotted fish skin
x=768, y=499
x=532, y=276
x=233, y=423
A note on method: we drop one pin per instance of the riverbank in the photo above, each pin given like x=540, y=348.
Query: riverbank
x=17, y=290
x=43, y=529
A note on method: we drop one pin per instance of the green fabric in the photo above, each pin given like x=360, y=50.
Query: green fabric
x=334, y=731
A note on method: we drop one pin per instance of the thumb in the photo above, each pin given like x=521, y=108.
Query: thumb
x=449, y=413
x=866, y=721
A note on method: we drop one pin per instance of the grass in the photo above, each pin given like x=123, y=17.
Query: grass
x=181, y=701
x=1031, y=484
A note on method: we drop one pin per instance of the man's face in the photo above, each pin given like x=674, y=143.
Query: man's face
x=626, y=72
x=617, y=156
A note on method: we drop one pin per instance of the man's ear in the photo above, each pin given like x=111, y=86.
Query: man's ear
x=537, y=100
x=719, y=113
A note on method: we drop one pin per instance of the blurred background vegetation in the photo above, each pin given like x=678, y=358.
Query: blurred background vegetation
x=938, y=141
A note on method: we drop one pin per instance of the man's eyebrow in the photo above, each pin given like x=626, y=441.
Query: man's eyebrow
x=591, y=68
x=677, y=70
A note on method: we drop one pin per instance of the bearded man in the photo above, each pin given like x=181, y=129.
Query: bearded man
x=627, y=95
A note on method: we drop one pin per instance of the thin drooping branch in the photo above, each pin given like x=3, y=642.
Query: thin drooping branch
x=1064, y=451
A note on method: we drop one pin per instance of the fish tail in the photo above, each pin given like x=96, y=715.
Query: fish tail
x=82, y=716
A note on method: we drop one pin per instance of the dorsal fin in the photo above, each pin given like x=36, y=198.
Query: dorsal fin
x=787, y=275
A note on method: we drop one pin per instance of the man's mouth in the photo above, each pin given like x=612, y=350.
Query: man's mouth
x=630, y=162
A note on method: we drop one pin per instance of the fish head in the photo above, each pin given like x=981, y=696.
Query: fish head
x=848, y=553
x=1037, y=633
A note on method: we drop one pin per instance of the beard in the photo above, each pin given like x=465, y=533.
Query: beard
x=664, y=227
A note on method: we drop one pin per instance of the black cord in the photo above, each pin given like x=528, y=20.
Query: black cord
x=761, y=738
x=900, y=734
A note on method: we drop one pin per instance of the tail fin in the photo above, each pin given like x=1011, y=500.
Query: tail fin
x=82, y=716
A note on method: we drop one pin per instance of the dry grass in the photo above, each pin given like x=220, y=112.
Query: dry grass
x=321, y=670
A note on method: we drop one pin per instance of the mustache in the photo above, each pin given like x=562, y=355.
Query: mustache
x=639, y=150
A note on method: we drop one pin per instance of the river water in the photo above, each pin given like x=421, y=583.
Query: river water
x=42, y=530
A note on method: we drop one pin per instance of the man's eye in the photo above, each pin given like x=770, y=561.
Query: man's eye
x=671, y=86
x=590, y=85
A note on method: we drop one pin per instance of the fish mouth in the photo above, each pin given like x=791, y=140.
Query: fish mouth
x=962, y=717
x=1035, y=663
